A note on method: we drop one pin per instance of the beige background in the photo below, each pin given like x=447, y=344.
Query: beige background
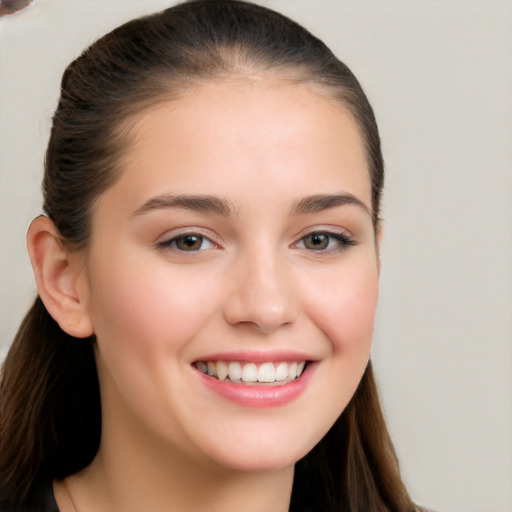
x=439, y=74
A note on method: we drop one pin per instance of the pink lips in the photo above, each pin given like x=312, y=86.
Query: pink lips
x=256, y=356
x=259, y=396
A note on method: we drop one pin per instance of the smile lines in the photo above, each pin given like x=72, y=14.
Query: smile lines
x=237, y=372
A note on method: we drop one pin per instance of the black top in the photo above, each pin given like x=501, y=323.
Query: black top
x=39, y=499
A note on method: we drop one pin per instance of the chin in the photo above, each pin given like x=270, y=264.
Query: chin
x=261, y=464
x=266, y=453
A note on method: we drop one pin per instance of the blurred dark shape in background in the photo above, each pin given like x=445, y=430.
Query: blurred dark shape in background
x=8, y=7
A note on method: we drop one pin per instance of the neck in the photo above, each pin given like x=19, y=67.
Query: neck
x=99, y=488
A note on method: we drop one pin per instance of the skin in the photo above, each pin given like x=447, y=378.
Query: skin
x=255, y=285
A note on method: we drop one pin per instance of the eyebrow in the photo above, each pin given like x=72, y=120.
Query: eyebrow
x=197, y=203
x=320, y=202
x=223, y=207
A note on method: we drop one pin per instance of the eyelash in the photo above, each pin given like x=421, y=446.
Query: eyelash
x=343, y=241
x=172, y=242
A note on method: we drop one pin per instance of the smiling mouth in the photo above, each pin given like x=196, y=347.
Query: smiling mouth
x=252, y=373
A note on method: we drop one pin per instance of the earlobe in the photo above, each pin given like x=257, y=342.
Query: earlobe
x=59, y=275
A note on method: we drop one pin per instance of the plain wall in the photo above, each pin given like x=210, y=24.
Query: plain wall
x=439, y=75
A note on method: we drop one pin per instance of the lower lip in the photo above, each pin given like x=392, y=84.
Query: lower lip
x=248, y=395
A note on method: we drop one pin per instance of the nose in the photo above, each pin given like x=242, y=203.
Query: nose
x=261, y=294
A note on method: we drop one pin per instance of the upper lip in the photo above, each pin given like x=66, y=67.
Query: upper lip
x=257, y=356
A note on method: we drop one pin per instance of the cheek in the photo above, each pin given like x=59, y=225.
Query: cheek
x=145, y=310
x=148, y=298
x=145, y=316
x=348, y=320
x=343, y=309
x=346, y=305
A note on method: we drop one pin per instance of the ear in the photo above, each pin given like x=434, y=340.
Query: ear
x=60, y=278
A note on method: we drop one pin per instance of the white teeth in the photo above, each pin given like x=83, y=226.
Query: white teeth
x=235, y=371
x=249, y=372
x=281, y=372
x=292, y=371
x=212, y=370
x=222, y=370
x=267, y=373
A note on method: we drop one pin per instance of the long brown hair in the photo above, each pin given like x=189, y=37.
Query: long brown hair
x=50, y=409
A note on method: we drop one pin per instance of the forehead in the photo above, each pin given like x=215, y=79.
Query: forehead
x=242, y=131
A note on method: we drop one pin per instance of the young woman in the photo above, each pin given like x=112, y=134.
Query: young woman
x=207, y=269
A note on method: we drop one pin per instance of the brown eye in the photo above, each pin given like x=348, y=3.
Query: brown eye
x=325, y=242
x=316, y=241
x=187, y=243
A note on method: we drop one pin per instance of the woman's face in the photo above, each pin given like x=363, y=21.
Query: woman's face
x=238, y=240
